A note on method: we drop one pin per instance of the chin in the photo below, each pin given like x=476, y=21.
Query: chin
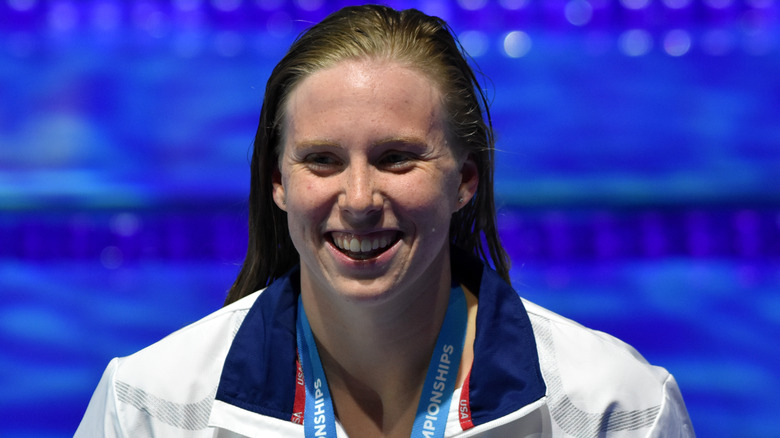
x=370, y=291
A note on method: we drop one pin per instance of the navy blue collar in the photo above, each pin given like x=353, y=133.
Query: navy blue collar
x=259, y=371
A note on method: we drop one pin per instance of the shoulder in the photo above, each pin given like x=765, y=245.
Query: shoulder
x=589, y=363
x=169, y=386
x=199, y=346
x=571, y=342
x=598, y=382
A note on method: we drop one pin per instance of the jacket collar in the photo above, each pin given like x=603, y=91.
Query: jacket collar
x=259, y=371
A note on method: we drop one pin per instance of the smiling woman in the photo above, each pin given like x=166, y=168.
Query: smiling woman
x=363, y=163
x=366, y=306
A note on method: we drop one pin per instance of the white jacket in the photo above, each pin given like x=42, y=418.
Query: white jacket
x=535, y=374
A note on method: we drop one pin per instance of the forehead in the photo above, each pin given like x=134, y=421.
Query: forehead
x=372, y=96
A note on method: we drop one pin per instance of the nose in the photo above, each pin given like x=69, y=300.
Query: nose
x=359, y=197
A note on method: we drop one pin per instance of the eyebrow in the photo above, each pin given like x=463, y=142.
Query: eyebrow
x=315, y=143
x=412, y=141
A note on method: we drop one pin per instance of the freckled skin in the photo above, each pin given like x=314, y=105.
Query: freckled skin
x=365, y=156
x=365, y=151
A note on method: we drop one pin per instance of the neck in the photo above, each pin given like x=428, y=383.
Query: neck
x=376, y=356
x=378, y=345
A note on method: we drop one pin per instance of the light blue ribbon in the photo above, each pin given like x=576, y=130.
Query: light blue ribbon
x=433, y=408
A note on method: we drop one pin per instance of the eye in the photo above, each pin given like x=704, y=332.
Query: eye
x=320, y=159
x=396, y=160
x=323, y=163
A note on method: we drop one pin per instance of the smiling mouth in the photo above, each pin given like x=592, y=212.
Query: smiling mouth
x=364, y=247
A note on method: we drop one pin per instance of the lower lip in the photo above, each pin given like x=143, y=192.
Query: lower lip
x=380, y=261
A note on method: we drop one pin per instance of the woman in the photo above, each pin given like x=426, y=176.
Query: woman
x=370, y=201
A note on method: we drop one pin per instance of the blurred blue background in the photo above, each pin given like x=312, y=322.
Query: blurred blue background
x=639, y=148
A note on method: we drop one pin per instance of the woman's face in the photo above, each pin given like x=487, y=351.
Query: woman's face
x=368, y=180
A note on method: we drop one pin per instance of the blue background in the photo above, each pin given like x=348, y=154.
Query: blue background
x=639, y=148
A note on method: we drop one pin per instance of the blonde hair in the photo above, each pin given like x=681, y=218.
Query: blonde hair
x=415, y=40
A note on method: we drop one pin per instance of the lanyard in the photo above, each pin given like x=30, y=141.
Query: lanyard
x=319, y=420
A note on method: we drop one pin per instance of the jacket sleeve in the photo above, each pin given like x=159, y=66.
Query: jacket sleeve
x=101, y=418
x=673, y=420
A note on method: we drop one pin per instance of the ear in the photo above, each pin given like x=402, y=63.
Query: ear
x=278, y=189
x=469, y=181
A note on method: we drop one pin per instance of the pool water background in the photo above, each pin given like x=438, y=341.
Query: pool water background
x=636, y=175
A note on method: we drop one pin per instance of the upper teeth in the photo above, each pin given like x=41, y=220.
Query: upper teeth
x=360, y=243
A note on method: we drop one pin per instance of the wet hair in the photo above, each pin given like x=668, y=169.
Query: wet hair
x=416, y=41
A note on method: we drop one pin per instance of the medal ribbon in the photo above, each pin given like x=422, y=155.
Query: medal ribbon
x=430, y=421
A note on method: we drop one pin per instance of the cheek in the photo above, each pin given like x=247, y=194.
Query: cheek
x=430, y=199
x=306, y=199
